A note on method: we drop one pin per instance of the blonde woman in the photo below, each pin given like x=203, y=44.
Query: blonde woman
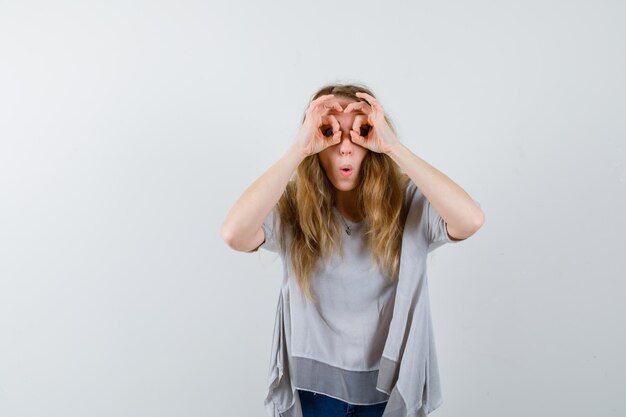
x=335, y=207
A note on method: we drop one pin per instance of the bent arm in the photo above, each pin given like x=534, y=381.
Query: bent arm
x=457, y=208
x=241, y=229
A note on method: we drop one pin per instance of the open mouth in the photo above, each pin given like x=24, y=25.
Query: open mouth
x=346, y=170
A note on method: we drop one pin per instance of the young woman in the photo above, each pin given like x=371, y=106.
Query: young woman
x=338, y=225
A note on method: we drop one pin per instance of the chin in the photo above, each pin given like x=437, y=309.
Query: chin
x=345, y=187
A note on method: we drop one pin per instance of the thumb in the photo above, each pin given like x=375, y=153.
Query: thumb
x=356, y=138
x=332, y=140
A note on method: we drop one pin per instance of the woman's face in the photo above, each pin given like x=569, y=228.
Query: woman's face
x=336, y=157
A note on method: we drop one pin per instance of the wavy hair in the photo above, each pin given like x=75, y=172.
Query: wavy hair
x=306, y=208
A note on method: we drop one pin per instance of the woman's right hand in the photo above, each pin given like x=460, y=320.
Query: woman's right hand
x=319, y=130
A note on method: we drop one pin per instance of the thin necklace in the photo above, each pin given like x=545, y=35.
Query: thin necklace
x=348, y=230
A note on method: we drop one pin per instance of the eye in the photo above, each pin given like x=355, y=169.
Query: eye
x=365, y=130
x=327, y=131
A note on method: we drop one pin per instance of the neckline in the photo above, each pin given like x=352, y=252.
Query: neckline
x=347, y=219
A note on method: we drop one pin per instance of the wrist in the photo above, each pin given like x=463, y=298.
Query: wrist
x=395, y=149
x=297, y=153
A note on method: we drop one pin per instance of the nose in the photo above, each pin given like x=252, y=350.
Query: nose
x=346, y=145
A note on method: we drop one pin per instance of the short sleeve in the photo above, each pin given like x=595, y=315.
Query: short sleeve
x=270, y=243
x=437, y=231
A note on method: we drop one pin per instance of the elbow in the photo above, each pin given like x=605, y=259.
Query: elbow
x=226, y=235
x=475, y=224
x=231, y=240
x=479, y=221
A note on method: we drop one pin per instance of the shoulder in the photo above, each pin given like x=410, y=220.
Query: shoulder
x=415, y=202
x=411, y=191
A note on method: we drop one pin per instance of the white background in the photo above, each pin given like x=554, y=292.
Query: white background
x=128, y=129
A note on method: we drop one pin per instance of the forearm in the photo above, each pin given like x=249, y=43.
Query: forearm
x=247, y=215
x=454, y=205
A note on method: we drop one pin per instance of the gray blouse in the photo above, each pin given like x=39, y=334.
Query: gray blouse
x=352, y=344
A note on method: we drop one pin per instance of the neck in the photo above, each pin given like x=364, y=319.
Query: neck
x=345, y=202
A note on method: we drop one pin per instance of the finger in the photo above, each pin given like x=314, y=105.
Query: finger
x=358, y=121
x=365, y=96
x=327, y=119
x=357, y=139
x=336, y=137
x=335, y=124
x=315, y=104
x=337, y=107
x=323, y=98
x=371, y=100
x=358, y=105
x=332, y=106
x=333, y=139
x=332, y=121
x=320, y=101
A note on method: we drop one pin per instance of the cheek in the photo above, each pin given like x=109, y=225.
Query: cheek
x=322, y=158
x=362, y=156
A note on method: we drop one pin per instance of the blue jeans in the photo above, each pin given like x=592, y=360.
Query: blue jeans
x=320, y=405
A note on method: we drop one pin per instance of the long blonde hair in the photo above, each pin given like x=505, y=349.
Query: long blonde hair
x=306, y=208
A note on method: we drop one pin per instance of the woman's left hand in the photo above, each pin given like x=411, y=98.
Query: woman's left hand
x=380, y=138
